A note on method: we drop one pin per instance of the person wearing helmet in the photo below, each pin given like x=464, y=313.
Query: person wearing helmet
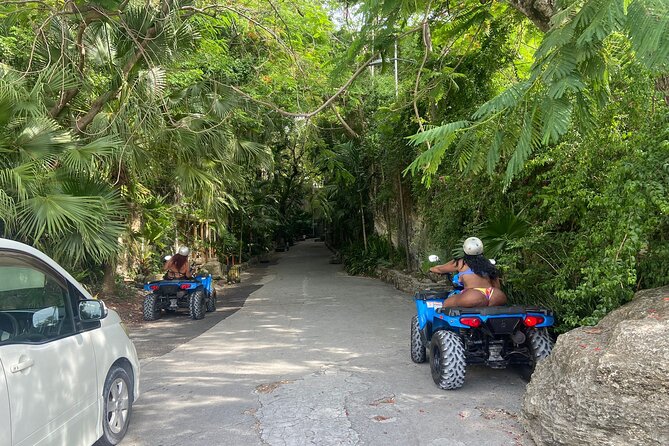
x=177, y=266
x=478, y=276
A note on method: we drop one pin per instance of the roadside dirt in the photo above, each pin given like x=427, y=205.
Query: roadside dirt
x=127, y=302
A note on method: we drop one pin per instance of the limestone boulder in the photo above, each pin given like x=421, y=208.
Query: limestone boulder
x=212, y=267
x=607, y=384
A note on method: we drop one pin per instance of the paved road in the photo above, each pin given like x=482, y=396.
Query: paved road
x=313, y=356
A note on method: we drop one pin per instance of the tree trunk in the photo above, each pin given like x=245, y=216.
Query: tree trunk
x=109, y=279
x=362, y=217
x=662, y=85
x=538, y=11
x=405, y=232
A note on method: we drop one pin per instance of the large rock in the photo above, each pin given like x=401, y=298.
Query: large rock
x=608, y=384
x=212, y=267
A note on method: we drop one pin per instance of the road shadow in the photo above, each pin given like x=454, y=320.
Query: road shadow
x=159, y=337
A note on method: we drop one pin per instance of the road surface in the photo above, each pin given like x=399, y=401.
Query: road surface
x=304, y=354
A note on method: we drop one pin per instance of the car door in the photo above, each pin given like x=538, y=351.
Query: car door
x=49, y=367
x=5, y=420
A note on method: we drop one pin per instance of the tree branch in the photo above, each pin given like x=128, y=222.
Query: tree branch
x=348, y=129
x=320, y=108
x=538, y=11
x=67, y=95
x=84, y=121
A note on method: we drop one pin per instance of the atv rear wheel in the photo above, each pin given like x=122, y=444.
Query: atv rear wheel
x=211, y=302
x=447, y=360
x=151, y=310
x=540, y=345
x=418, y=354
x=196, y=305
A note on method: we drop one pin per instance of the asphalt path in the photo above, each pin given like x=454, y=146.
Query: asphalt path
x=300, y=353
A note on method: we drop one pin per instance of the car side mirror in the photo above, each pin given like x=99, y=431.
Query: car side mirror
x=92, y=310
x=46, y=317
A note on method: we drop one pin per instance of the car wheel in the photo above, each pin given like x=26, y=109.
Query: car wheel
x=211, y=302
x=447, y=360
x=196, y=305
x=418, y=354
x=151, y=310
x=117, y=406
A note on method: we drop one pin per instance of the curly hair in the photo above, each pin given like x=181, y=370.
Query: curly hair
x=481, y=266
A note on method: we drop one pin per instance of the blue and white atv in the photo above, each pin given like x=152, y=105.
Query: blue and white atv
x=197, y=294
x=454, y=337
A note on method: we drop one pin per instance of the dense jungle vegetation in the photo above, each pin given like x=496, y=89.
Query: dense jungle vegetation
x=393, y=128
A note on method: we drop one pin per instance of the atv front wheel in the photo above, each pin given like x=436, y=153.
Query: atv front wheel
x=447, y=360
x=196, y=305
x=151, y=310
x=418, y=354
x=211, y=302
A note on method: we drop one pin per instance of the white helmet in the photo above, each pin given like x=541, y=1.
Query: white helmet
x=473, y=246
x=184, y=251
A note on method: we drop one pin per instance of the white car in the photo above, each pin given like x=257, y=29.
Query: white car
x=68, y=371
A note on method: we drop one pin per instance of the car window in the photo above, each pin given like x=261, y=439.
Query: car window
x=34, y=302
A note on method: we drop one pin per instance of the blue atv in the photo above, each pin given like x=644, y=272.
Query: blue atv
x=197, y=294
x=498, y=336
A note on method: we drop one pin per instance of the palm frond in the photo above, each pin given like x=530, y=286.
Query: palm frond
x=80, y=158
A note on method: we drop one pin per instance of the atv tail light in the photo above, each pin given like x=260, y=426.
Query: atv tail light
x=473, y=322
x=533, y=321
x=154, y=287
x=184, y=286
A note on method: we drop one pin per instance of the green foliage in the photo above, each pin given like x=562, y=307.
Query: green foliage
x=568, y=82
x=358, y=261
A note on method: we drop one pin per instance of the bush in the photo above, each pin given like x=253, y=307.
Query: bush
x=358, y=262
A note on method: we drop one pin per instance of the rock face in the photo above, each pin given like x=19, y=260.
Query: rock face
x=405, y=282
x=608, y=384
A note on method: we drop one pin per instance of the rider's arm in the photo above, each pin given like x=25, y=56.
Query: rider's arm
x=450, y=267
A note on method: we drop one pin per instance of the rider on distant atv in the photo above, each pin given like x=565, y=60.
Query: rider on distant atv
x=478, y=276
x=177, y=267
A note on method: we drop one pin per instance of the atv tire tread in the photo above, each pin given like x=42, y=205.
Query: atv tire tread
x=150, y=308
x=196, y=305
x=447, y=360
x=211, y=302
x=540, y=343
x=418, y=353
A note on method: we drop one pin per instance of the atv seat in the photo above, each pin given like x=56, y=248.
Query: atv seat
x=432, y=294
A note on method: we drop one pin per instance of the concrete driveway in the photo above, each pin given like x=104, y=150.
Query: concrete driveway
x=313, y=356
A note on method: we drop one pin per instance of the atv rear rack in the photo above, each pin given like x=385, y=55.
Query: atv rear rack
x=492, y=311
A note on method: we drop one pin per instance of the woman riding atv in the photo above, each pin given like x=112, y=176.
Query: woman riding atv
x=177, y=266
x=478, y=276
